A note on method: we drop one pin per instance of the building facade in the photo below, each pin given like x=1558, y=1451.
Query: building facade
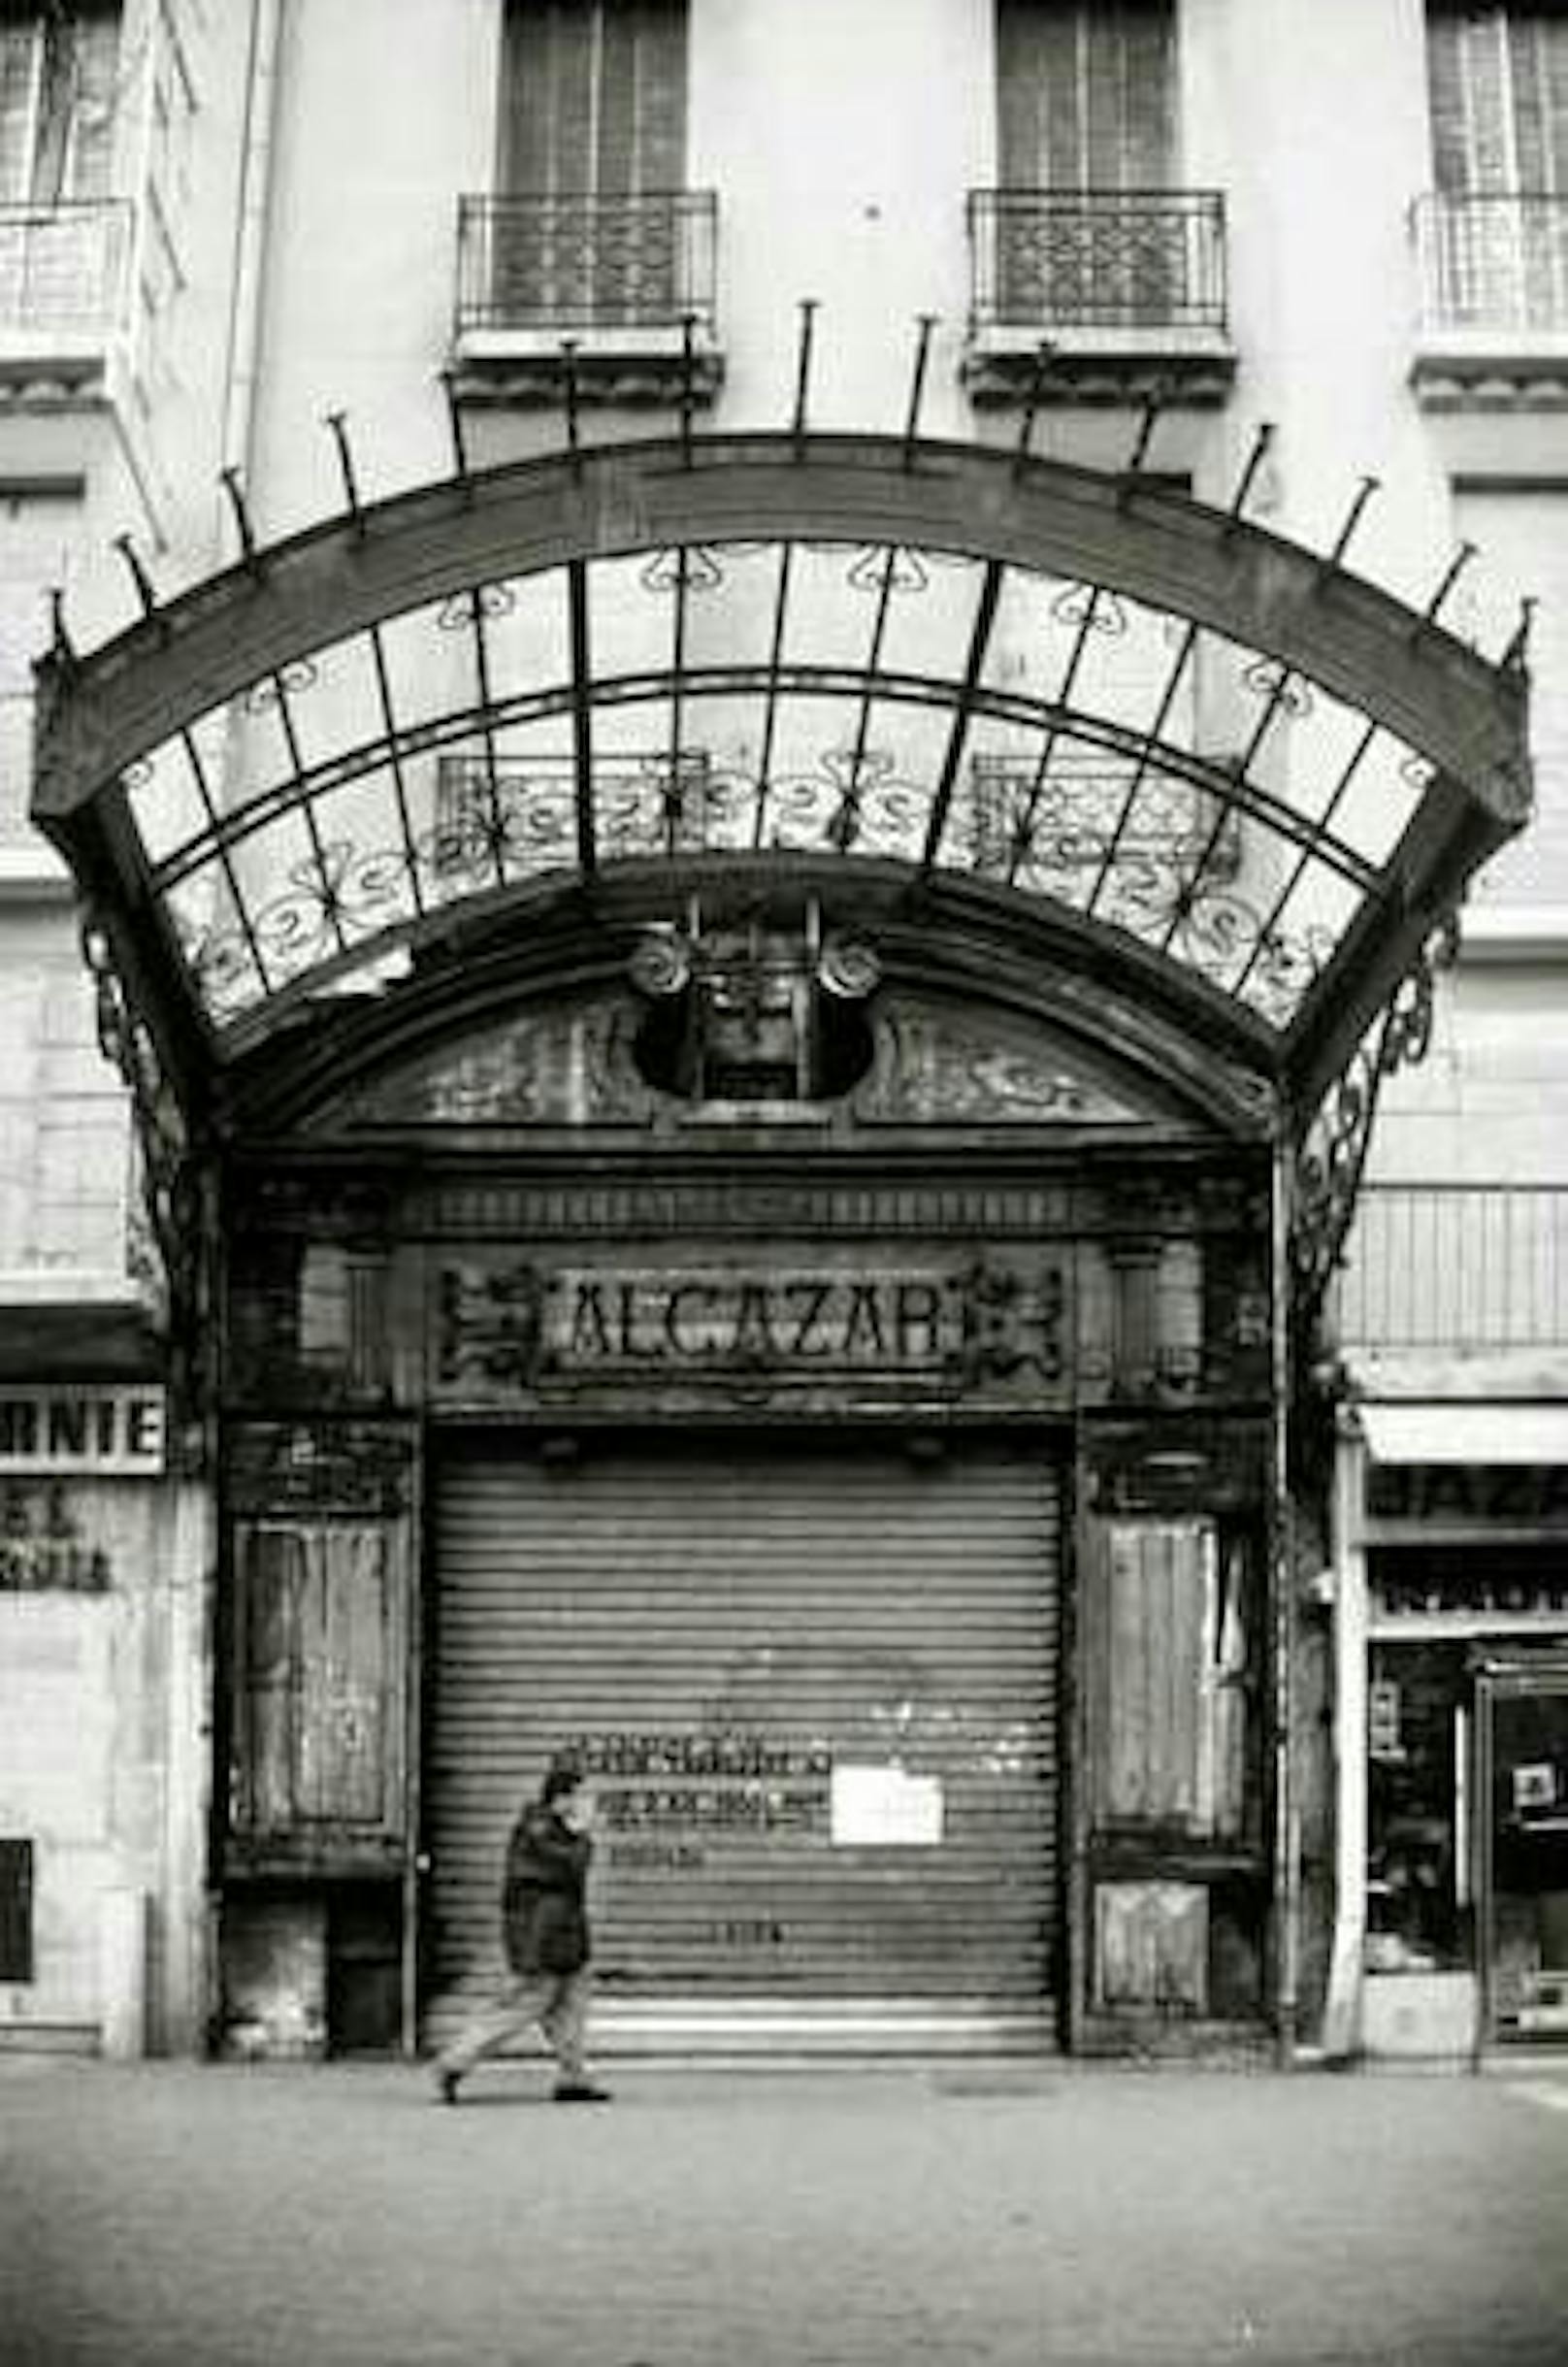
x=738, y=799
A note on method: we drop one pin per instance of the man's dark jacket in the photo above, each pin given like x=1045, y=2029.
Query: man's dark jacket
x=545, y=1919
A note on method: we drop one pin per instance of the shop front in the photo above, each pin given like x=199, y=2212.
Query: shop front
x=1466, y=1734
x=753, y=1053
x=764, y=1472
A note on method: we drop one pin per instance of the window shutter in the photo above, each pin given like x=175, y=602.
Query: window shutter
x=20, y=60
x=96, y=45
x=594, y=97
x=1086, y=92
x=1498, y=96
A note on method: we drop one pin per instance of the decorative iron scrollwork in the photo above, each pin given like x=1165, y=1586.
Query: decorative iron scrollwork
x=172, y=1182
x=1333, y=1154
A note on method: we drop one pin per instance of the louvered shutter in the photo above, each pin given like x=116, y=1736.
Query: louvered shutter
x=22, y=53
x=594, y=120
x=761, y=1649
x=1498, y=98
x=1086, y=94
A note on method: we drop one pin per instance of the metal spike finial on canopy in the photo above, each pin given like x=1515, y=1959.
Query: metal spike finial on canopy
x=688, y=383
x=1335, y=558
x=1516, y=657
x=1022, y=454
x=926, y=322
x=809, y=307
x=1262, y=443
x=62, y=649
x=1146, y=424
x=146, y=590
x=454, y=422
x=233, y=488
x=569, y=389
x=336, y=422
x=1450, y=575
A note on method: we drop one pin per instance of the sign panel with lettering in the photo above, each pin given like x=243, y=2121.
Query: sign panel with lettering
x=970, y=1322
x=101, y=1431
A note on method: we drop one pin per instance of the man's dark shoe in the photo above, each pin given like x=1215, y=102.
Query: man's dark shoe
x=580, y=2092
x=446, y=2086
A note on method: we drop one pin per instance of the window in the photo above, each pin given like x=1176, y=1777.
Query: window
x=57, y=103
x=589, y=222
x=1092, y=227
x=39, y=532
x=594, y=97
x=1086, y=94
x=1498, y=97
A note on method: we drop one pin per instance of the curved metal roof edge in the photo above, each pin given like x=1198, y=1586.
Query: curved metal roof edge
x=99, y=712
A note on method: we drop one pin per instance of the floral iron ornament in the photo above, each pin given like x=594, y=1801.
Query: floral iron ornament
x=1332, y=1155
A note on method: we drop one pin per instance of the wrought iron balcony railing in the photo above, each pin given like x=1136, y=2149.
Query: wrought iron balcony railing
x=63, y=269
x=542, y=263
x=1497, y=263
x=1098, y=259
x=1456, y=1267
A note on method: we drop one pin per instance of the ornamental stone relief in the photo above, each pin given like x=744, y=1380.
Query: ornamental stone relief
x=935, y=1063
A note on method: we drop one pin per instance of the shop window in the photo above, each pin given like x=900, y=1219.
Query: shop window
x=1417, y=1741
x=16, y=1910
x=1527, y=1854
x=1169, y=1633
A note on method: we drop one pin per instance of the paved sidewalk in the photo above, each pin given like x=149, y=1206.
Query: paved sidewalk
x=170, y=2216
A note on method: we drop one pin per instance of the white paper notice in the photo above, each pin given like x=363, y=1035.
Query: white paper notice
x=885, y=1808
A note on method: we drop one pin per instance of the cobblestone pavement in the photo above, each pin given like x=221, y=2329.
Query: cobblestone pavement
x=173, y=2215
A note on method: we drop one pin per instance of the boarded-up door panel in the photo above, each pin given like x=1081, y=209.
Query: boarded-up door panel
x=319, y=1678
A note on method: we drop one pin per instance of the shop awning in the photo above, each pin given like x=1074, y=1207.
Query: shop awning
x=1459, y=1433
x=1224, y=785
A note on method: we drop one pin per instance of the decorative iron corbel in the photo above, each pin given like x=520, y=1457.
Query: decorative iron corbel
x=173, y=1186
x=1331, y=1156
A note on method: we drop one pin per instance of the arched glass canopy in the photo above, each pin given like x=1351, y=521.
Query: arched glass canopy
x=1243, y=782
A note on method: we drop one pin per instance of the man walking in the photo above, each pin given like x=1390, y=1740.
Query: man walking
x=544, y=1922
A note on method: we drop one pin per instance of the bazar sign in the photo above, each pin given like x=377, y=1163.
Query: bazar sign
x=108, y=1431
x=980, y=1322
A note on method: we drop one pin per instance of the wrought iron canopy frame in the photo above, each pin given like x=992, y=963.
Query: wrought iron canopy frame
x=735, y=655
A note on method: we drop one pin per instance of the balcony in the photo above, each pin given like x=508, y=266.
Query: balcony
x=1128, y=288
x=1493, y=275
x=1460, y=1281
x=627, y=281
x=63, y=274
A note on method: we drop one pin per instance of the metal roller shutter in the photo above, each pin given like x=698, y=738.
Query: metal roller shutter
x=817, y=1687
